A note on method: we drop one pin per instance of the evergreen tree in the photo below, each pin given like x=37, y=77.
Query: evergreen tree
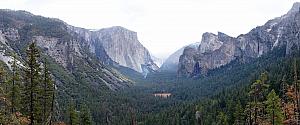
x=6, y=117
x=4, y=103
x=274, y=112
x=33, y=84
x=73, y=115
x=15, y=91
x=85, y=115
x=222, y=119
x=52, y=102
x=257, y=93
x=248, y=113
x=238, y=114
x=47, y=95
x=297, y=90
x=133, y=119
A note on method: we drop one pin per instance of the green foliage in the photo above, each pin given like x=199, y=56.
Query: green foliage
x=29, y=99
x=73, y=115
x=33, y=85
x=47, y=94
x=238, y=114
x=222, y=119
x=15, y=87
x=85, y=116
x=259, y=87
x=274, y=111
x=223, y=88
x=6, y=105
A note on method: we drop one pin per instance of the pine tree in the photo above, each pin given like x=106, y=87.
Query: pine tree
x=3, y=98
x=274, y=112
x=238, y=114
x=52, y=102
x=73, y=115
x=15, y=91
x=85, y=115
x=133, y=119
x=297, y=90
x=33, y=84
x=6, y=117
x=257, y=93
x=177, y=119
x=248, y=113
x=222, y=119
x=47, y=95
x=5, y=85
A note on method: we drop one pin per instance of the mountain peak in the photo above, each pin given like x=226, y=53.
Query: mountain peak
x=207, y=34
x=295, y=8
x=23, y=12
x=116, y=28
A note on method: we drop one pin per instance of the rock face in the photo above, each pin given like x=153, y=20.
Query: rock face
x=120, y=45
x=72, y=49
x=171, y=63
x=217, y=50
x=210, y=42
x=123, y=47
x=157, y=61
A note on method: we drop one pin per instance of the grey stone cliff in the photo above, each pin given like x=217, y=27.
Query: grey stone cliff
x=217, y=50
x=120, y=45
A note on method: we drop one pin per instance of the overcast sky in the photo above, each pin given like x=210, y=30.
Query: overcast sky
x=163, y=26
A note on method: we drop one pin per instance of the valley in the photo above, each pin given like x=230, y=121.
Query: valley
x=107, y=77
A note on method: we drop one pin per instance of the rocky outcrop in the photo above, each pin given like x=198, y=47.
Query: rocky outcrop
x=210, y=42
x=213, y=51
x=217, y=50
x=119, y=45
x=171, y=63
x=187, y=61
x=123, y=47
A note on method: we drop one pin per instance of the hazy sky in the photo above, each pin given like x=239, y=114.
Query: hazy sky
x=163, y=26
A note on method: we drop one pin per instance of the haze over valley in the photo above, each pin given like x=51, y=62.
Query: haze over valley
x=149, y=63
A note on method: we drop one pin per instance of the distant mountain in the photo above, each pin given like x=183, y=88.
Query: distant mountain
x=218, y=50
x=157, y=61
x=171, y=63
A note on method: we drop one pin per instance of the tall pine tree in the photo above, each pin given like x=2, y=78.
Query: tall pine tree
x=274, y=111
x=257, y=93
x=73, y=115
x=33, y=84
x=85, y=115
x=47, y=95
x=15, y=91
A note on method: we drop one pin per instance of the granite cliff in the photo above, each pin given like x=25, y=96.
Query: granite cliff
x=220, y=49
x=71, y=57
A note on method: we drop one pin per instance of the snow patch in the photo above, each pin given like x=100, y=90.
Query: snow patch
x=271, y=26
x=8, y=60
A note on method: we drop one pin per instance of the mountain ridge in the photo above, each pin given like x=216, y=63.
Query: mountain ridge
x=56, y=41
x=220, y=49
